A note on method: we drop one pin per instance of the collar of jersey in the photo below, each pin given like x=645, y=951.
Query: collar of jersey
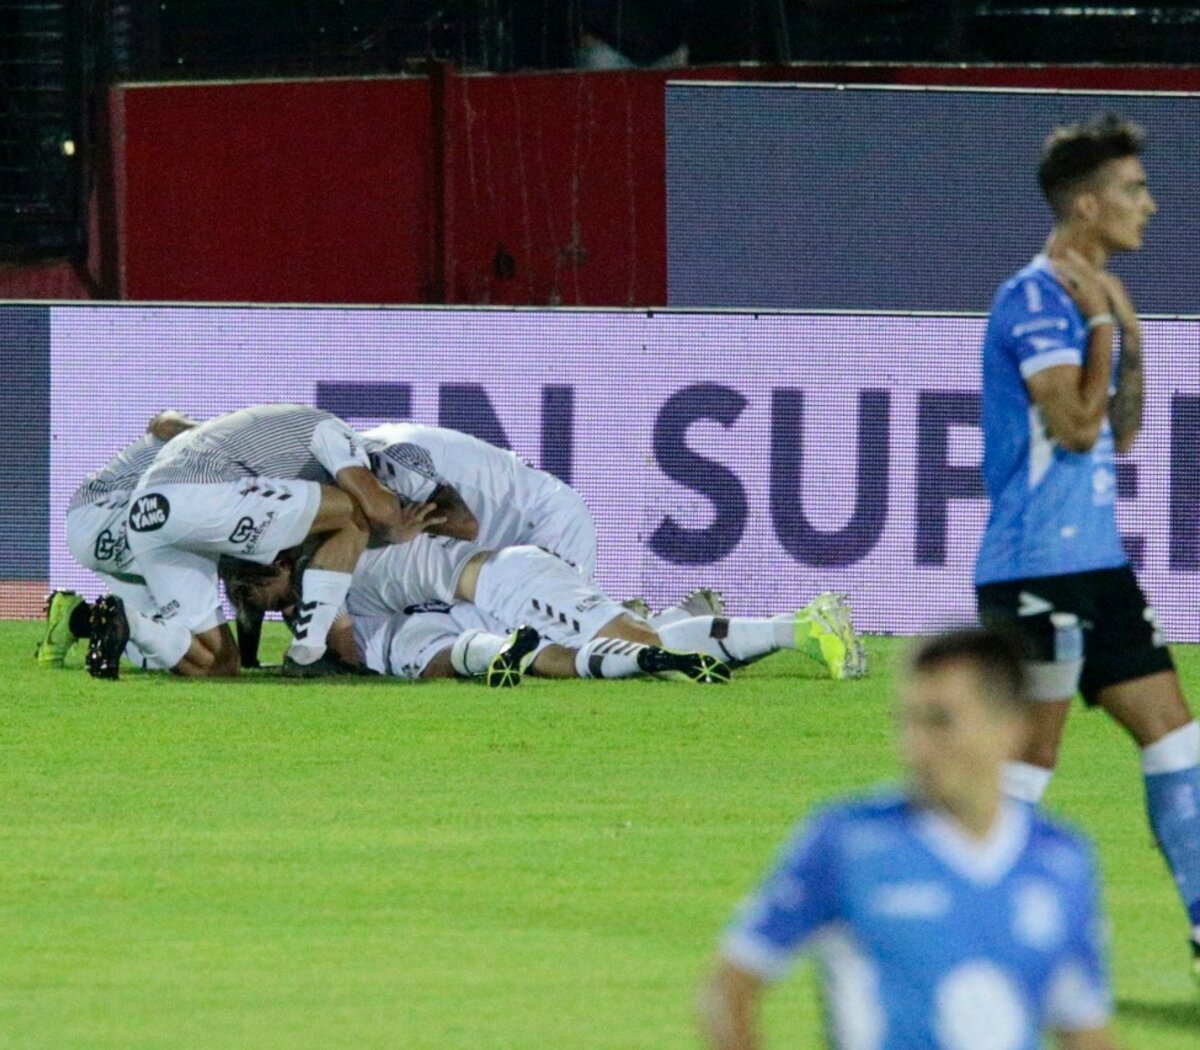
x=984, y=862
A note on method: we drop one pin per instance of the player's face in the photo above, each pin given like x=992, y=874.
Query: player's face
x=272, y=592
x=955, y=741
x=1123, y=204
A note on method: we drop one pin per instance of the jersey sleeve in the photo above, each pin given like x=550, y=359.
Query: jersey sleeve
x=336, y=446
x=796, y=900
x=407, y=470
x=1080, y=997
x=1039, y=327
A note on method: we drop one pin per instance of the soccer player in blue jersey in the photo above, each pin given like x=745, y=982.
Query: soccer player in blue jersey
x=1062, y=392
x=946, y=915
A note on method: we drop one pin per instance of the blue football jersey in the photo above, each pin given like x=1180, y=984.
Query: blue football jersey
x=929, y=939
x=1053, y=510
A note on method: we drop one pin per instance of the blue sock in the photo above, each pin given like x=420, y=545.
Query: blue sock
x=1173, y=803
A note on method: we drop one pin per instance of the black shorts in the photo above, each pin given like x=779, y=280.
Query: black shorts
x=1121, y=639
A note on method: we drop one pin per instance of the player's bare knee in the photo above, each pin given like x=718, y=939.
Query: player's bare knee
x=629, y=629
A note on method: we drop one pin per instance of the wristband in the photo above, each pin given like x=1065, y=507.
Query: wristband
x=1100, y=319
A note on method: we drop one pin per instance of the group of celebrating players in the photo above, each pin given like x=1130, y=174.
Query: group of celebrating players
x=408, y=550
x=952, y=914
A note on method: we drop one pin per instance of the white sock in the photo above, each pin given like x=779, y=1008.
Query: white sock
x=740, y=638
x=671, y=614
x=608, y=658
x=1025, y=782
x=322, y=592
x=474, y=651
x=159, y=645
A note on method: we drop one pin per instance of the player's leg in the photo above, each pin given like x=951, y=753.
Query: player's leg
x=95, y=535
x=1047, y=614
x=1134, y=680
x=823, y=630
x=325, y=581
x=186, y=634
x=526, y=585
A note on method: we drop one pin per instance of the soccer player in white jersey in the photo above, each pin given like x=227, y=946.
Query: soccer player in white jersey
x=526, y=586
x=490, y=495
x=249, y=484
x=487, y=494
x=1062, y=391
x=946, y=915
x=96, y=536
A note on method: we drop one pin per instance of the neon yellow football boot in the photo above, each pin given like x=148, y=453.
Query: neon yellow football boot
x=825, y=632
x=57, y=640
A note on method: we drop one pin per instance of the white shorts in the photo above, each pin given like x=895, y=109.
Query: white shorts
x=389, y=580
x=97, y=539
x=403, y=646
x=562, y=524
x=177, y=532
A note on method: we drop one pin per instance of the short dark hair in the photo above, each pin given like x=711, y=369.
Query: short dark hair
x=997, y=654
x=1073, y=153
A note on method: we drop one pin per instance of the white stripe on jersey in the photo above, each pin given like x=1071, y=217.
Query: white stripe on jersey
x=267, y=441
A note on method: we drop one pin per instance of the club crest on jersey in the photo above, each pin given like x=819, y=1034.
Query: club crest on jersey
x=149, y=513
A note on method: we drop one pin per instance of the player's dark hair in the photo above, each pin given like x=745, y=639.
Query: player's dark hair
x=1075, y=152
x=997, y=654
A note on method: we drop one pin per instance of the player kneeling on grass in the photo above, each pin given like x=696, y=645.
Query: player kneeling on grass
x=249, y=484
x=946, y=915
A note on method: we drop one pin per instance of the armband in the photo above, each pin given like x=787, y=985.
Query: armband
x=1100, y=319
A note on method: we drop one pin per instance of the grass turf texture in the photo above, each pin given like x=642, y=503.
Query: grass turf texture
x=368, y=864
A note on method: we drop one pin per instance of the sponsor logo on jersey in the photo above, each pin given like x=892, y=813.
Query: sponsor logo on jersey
x=247, y=533
x=149, y=513
x=426, y=607
x=244, y=530
x=165, y=612
x=589, y=603
x=911, y=900
x=105, y=546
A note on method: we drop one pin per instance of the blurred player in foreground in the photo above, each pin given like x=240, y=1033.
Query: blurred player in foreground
x=1052, y=565
x=947, y=915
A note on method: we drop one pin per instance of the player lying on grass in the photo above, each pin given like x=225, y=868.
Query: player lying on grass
x=249, y=484
x=396, y=591
x=491, y=496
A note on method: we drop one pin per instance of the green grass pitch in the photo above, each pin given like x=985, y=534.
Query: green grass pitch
x=274, y=864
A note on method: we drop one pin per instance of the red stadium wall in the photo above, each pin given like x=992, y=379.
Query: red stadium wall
x=301, y=191
x=524, y=189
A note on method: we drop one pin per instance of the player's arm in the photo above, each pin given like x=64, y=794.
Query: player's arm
x=729, y=1006
x=459, y=521
x=1073, y=399
x=383, y=510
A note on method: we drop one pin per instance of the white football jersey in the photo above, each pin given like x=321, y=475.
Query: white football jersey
x=513, y=502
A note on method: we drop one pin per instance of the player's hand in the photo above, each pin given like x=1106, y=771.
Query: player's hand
x=409, y=521
x=1083, y=282
x=1121, y=305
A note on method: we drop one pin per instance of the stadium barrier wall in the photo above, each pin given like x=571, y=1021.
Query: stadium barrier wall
x=537, y=188
x=768, y=455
